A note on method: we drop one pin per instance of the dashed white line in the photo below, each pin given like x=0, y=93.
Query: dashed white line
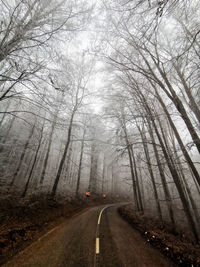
x=97, y=245
x=97, y=251
x=97, y=232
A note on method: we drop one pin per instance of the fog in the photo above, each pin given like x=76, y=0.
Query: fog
x=103, y=97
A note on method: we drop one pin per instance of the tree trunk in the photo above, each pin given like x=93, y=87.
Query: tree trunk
x=103, y=174
x=5, y=113
x=34, y=162
x=177, y=182
x=163, y=180
x=192, y=103
x=23, y=154
x=185, y=183
x=135, y=196
x=93, y=169
x=173, y=97
x=80, y=164
x=48, y=151
x=137, y=182
x=53, y=192
x=146, y=151
x=181, y=109
x=182, y=146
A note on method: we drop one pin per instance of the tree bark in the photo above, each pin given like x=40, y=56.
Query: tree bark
x=179, y=105
x=80, y=163
x=137, y=181
x=192, y=103
x=48, y=151
x=182, y=146
x=103, y=174
x=163, y=180
x=53, y=191
x=177, y=182
x=23, y=154
x=146, y=151
x=34, y=162
x=135, y=195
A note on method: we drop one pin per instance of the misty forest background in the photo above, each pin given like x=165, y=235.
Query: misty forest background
x=104, y=97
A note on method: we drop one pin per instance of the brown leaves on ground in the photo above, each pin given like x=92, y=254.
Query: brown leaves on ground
x=179, y=247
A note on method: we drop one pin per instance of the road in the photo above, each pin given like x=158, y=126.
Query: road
x=88, y=239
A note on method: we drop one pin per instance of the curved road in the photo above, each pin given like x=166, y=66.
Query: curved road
x=88, y=239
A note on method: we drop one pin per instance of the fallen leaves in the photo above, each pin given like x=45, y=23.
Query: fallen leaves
x=179, y=249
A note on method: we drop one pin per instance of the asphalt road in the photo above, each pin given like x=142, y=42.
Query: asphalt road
x=88, y=239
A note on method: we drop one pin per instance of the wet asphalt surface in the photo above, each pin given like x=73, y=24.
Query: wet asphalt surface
x=73, y=244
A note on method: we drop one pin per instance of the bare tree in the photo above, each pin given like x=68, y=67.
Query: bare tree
x=79, y=80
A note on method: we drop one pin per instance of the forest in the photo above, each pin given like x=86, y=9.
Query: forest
x=101, y=97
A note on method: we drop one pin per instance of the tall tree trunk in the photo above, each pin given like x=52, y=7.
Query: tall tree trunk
x=48, y=150
x=137, y=181
x=173, y=170
x=103, y=174
x=185, y=183
x=146, y=151
x=68, y=163
x=80, y=163
x=53, y=192
x=11, y=123
x=177, y=182
x=173, y=97
x=181, y=109
x=71, y=167
x=182, y=146
x=5, y=113
x=135, y=196
x=163, y=180
x=7, y=133
x=192, y=103
x=34, y=162
x=112, y=181
x=23, y=154
x=93, y=169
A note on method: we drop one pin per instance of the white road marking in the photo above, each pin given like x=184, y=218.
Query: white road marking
x=97, y=232
x=96, y=255
x=100, y=214
x=97, y=245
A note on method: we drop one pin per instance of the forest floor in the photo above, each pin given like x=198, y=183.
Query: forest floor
x=24, y=221
x=179, y=247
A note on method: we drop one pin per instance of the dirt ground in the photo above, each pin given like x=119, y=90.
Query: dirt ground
x=180, y=247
